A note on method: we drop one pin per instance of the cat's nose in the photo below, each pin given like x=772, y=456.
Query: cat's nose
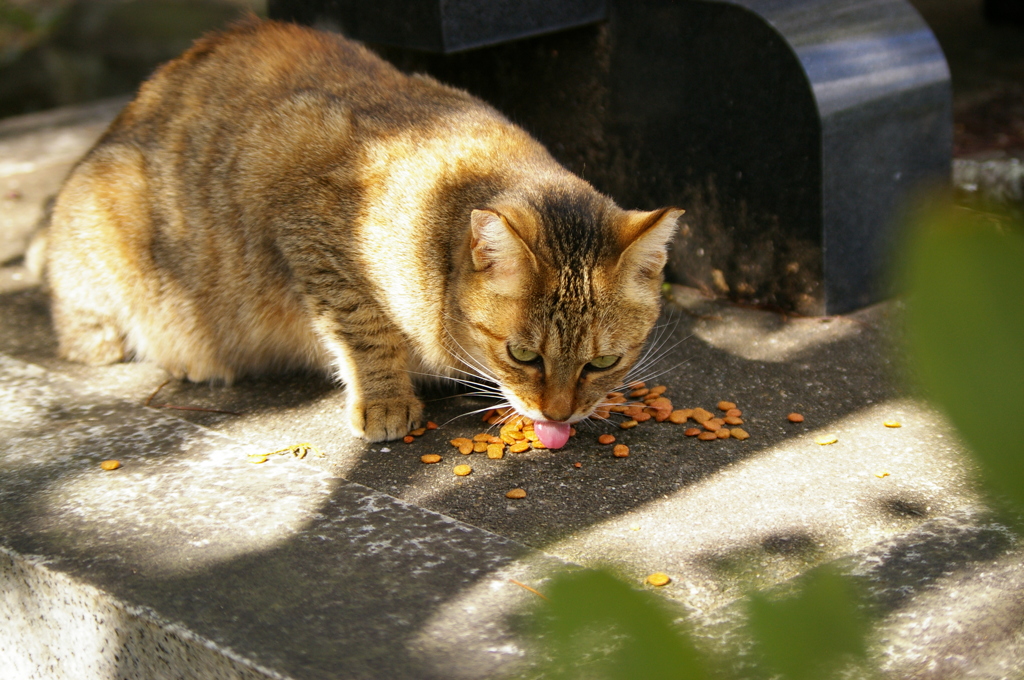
x=558, y=408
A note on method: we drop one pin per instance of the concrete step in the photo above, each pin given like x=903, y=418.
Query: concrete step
x=190, y=561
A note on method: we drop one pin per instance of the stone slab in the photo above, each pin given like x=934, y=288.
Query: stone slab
x=367, y=559
x=189, y=557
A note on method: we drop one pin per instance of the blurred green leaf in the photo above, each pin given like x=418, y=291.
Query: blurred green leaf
x=813, y=633
x=595, y=626
x=965, y=278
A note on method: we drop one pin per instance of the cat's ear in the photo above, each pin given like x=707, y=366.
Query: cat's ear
x=499, y=252
x=644, y=238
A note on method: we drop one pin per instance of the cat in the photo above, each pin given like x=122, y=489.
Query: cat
x=280, y=198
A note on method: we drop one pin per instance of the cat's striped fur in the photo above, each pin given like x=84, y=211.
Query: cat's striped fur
x=279, y=197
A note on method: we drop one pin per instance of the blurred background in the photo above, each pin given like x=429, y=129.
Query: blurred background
x=59, y=52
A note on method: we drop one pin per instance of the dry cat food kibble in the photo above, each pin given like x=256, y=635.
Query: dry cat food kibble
x=517, y=433
x=795, y=418
x=430, y=458
x=659, y=579
x=892, y=423
x=462, y=470
x=408, y=439
x=825, y=439
x=110, y=464
x=516, y=493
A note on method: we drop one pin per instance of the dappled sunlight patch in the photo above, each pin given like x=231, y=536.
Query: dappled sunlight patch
x=786, y=508
x=757, y=335
x=200, y=505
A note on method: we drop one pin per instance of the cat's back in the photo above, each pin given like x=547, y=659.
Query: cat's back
x=230, y=78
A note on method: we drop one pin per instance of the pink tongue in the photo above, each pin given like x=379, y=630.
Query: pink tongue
x=551, y=434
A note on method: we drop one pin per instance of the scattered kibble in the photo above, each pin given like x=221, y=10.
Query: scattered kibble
x=408, y=439
x=893, y=423
x=110, y=464
x=882, y=473
x=462, y=470
x=659, y=579
x=255, y=459
x=431, y=425
x=795, y=418
x=637, y=402
x=577, y=464
x=701, y=415
x=516, y=493
x=825, y=439
x=430, y=458
x=680, y=416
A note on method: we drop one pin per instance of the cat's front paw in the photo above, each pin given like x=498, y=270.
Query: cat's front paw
x=378, y=420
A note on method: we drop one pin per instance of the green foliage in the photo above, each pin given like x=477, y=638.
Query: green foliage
x=596, y=626
x=813, y=633
x=965, y=278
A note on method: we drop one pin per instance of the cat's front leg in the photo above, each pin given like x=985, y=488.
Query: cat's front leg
x=370, y=356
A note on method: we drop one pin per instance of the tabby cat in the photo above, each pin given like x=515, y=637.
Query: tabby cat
x=278, y=198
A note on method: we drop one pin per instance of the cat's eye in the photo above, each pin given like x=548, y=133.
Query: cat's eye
x=604, y=362
x=522, y=354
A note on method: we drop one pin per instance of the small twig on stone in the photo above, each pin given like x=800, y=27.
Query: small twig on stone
x=532, y=590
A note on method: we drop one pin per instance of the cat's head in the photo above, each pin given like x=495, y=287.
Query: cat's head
x=559, y=296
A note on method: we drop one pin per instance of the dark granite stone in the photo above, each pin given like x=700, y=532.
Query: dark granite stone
x=792, y=131
x=442, y=25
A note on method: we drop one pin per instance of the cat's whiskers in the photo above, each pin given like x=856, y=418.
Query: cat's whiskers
x=654, y=352
x=642, y=370
x=478, y=389
x=465, y=357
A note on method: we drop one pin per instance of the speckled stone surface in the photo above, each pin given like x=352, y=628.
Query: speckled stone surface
x=189, y=561
x=191, y=557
